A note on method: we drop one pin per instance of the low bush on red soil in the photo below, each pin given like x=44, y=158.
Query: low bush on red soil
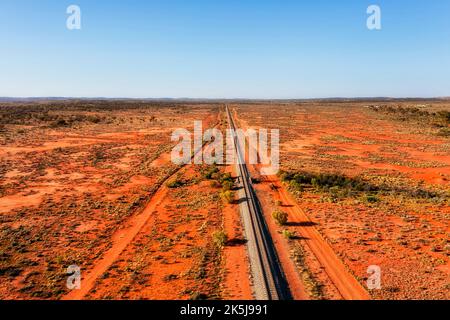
x=280, y=217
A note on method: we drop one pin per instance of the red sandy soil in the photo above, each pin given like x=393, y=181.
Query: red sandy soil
x=269, y=191
x=119, y=241
x=406, y=235
x=191, y=266
x=79, y=193
x=160, y=261
x=85, y=183
x=340, y=277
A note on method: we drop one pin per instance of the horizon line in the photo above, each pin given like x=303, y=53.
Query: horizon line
x=54, y=98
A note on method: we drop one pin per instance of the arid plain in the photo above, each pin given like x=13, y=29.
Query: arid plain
x=92, y=184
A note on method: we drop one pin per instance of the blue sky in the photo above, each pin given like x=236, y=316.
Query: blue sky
x=225, y=49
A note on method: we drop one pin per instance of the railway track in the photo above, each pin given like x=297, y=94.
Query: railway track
x=344, y=282
x=268, y=278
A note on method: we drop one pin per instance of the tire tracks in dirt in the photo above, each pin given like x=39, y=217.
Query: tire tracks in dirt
x=343, y=280
x=348, y=287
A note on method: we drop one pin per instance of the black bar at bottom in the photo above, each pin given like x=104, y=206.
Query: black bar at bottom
x=169, y=310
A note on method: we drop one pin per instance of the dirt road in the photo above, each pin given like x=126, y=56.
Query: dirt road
x=348, y=287
x=121, y=239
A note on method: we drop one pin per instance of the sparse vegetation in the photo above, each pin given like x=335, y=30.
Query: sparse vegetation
x=339, y=186
x=227, y=196
x=325, y=181
x=371, y=198
x=175, y=183
x=288, y=234
x=314, y=287
x=444, y=132
x=374, y=182
x=96, y=164
x=227, y=185
x=220, y=238
x=437, y=119
x=215, y=184
x=218, y=178
x=211, y=172
x=280, y=217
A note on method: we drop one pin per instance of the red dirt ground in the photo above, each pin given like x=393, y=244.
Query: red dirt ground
x=77, y=191
x=406, y=235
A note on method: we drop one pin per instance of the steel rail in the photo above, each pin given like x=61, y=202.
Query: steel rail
x=269, y=280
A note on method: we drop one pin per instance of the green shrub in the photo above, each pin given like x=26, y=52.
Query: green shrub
x=225, y=177
x=336, y=193
x=60, y=123
x=336, y=184
x=296, y=186
x=303, y=178
x=280, y=217
x=175, y=184
x=210, y=172
x=444, y=116
x=215, y=176
x=227, y=185
x=94, y=119
x=370, y=198
x=288, y=234
x=215, y=184
x=227, y=196
x=219, y=238
x=285, y=176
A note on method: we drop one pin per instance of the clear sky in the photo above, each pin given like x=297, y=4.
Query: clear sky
x=225, y=49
